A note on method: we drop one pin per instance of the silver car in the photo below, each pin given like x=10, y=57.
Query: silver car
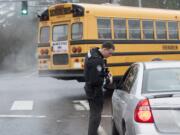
x=148, y=100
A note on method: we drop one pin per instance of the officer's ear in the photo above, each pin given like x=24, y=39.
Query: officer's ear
x=103, y=49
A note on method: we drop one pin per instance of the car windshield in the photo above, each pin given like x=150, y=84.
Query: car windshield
x=161, y=80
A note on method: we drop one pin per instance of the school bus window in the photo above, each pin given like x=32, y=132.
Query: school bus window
x=134, y=29
x=44, y=35
x=173, y=30
x=148, y=29
x=161, y=30
x=120, y=29
x=60, y=32
x=77, y=31
x=104, y=28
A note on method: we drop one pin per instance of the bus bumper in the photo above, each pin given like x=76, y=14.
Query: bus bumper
x=63, y=74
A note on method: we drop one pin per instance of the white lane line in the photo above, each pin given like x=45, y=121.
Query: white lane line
x=85, y=104
x=81, y=105
x=30, y=75
x=22, y=105
x=101, y=131
x=22, y=116
x=106, y=116
x=59, y=121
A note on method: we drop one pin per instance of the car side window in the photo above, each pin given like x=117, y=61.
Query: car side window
x=130, y=79
x=121, y=82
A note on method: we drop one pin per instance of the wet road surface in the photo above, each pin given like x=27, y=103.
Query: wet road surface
x=31, y=105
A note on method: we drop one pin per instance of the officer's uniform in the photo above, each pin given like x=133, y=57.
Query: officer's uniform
x=94, y=72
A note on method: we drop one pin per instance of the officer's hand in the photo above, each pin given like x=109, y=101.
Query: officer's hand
x=110, y=78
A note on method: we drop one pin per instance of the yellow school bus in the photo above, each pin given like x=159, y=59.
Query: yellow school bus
x=68, y=30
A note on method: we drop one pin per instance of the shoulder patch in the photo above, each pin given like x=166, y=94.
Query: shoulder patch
x=99, y=68
x=89, y=54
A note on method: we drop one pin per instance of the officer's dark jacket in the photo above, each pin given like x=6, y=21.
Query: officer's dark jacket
x=94, y=68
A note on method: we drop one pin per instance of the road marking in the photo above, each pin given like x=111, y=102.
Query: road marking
x=85, y=104
x=81, y=105
x=22, y=116
x=101, y=131
x=30, y=75
x=59, y=121
x=106, y=116
x=22, y=105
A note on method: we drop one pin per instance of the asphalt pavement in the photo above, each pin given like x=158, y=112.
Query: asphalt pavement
x=33, y=105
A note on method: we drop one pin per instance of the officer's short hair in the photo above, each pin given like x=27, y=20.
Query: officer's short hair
x=108, y=45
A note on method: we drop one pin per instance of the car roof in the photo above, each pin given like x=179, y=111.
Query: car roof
x=161, y=64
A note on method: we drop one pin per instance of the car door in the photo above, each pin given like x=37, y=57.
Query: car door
x=116, y=100
x=122, y=96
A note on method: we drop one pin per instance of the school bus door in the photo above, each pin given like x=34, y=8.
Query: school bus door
x=60, y=45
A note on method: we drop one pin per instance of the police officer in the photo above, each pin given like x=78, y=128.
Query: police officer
x=96, y=73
